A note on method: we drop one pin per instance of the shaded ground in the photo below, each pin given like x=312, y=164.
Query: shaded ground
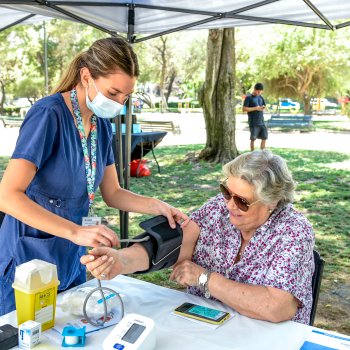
x=333, y=310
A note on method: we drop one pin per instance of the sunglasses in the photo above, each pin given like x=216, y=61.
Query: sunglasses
x=241, y=203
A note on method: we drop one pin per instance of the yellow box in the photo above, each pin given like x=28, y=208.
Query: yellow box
x=35, y=288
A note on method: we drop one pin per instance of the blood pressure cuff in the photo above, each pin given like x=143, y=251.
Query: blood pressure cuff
x=163, y=247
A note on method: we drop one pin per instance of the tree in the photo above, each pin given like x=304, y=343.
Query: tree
x=31, y=88
x=65, y=40
x=22, y=55
x=162, y=57
x=175, y=62
x=305, y=63
x=154, y=60
x=11, y=62
x=191, y=62
x=217, y=97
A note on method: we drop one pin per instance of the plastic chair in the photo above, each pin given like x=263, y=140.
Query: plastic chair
x=2, y=215
x=316, y=284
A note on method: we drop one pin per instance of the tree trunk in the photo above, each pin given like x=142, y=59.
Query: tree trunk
x=217, y=98
x=164, y=64
x=307, y=104
x=3, y=95
x=172, y=77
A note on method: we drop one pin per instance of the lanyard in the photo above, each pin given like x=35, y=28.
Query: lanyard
x=90, y=164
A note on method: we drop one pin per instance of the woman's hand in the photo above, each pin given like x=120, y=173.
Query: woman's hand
x=103, y=262
x=186, y=273
x=173, y=214
x=95, y=236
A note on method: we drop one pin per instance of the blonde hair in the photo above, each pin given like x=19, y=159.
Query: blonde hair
x=104, y=57
x=267, y=172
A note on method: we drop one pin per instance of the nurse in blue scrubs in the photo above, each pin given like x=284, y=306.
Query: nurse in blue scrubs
x=63, y=153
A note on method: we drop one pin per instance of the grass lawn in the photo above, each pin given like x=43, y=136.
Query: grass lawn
x=330, y=125
x=323, y=195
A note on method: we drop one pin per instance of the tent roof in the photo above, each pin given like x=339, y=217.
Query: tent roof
x=157, y=17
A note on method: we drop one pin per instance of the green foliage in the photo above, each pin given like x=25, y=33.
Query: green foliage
x=22, y=54
x=11, y=110
x=174, y=106
x=305, y=62
x=65, y=40
x=12, y=61
x=347, y=109
x=281, y=58
x=181, y=54
x=31, y=88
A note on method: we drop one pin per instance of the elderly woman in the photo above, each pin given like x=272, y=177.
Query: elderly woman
x=247, y=247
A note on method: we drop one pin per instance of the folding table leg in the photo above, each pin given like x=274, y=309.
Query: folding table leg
x=154, y=156
x=138, y=165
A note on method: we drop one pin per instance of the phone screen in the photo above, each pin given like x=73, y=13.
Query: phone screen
x=202, y=313
x=206, y=312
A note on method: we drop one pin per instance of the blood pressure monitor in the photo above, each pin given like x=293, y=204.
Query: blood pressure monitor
x=133, y=332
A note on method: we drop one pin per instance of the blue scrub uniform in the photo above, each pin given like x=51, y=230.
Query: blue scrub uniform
x=49, y=138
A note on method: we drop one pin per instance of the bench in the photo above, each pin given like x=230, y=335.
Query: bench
x=152, y=125
x=326, y=112
x=290, y=122
x=11, y=121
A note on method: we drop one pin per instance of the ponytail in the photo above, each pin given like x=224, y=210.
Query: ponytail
x=105, y=56
x=71, y=77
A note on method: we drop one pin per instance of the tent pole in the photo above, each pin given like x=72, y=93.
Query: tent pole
x=319, y=14
x=124, y=216
x=120, y=168
x=78, y=18
x=17, y=22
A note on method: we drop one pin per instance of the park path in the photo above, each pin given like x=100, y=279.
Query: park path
x=193, y=132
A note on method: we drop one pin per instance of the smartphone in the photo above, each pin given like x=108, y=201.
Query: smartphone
x=202, y=313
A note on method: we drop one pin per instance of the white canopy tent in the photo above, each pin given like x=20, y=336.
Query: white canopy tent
x=140, y=20
x=159, y=17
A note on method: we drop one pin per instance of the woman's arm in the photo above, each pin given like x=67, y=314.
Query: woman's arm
x=263, y=303
x=106, y=263
x=110, y=262
x=119, y=198
x=15, y=202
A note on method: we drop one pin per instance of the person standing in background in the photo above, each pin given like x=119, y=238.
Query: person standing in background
x=254, y=105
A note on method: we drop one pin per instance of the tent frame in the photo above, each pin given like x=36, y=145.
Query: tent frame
x=212, y=16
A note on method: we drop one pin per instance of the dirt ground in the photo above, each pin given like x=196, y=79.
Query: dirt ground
x=333, y=311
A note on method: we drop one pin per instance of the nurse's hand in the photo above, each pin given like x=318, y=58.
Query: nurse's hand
x=95, y=236
x=173, y=214
x=103, y=263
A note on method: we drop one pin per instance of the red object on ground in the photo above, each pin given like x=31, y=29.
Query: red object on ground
x=138, y=168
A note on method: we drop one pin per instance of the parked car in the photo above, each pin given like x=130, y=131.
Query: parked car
x=323, y=103
x=288, y=104
x=19, y=102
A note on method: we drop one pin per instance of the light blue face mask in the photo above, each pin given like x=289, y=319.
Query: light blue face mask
x=102, y=106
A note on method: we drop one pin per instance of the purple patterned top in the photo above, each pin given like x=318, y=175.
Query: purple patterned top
x=280, y=254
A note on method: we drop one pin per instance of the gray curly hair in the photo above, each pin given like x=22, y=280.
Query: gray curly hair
x=267, y=172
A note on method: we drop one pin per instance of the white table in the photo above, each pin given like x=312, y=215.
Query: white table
x=174, y=333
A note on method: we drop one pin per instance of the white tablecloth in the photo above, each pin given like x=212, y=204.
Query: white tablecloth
x=174, y=333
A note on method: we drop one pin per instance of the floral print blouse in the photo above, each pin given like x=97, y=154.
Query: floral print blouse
x=279, y=255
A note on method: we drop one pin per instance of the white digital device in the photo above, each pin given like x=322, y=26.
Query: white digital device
x=133, y=332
